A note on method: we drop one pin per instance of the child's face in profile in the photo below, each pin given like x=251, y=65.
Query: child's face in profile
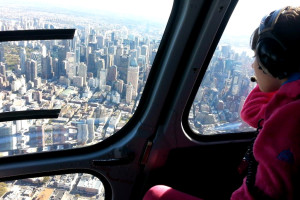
x=266, y=82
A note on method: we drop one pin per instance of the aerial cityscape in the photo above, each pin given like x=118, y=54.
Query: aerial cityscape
x=223, y=91
x=97, y=80
x=59, y=187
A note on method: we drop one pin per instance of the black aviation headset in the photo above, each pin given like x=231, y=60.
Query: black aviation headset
x=272, y=53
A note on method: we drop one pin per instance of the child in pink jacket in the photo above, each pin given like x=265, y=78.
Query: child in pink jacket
x=274, y=108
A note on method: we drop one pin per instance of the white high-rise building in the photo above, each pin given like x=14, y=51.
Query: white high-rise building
x=82, y=134
x=102, y=78
x=91, y=128
x=82, y=72
x=129, y=90
x=133, y=76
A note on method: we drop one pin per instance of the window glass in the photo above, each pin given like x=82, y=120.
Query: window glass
x=226, y=83
x=96, y=79
x=66, y=186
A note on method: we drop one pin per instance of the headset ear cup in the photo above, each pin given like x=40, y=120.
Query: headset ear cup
x=272, y=57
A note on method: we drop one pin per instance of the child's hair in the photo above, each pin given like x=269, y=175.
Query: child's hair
x=287, y=28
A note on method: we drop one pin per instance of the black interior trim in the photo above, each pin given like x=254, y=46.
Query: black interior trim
x=47, y=34
x=29, y=114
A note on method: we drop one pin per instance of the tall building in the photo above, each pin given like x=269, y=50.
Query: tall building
x=144, y=50
x=78, y=81
x=226, y=50
x=82, y=72
x=100, y=41
x=37, y=56
x=71, y=71
x=47, y=67
x=112, y=50
x=102, y=78
x=110, y=60
x=77, y=54
x=62, y=53
x=2, y=69
x=31, y=70
x=83, y=52
x=37, y=82
x=133, y=76
x=55, y=67
x=129, y=90
x=91, y=129
x=154, y=52
x=71, y=57
x=100, y=64
x=112, y=74
x=82, y=133
x=137, y=41
x=62, y=67
x=123, y=67
x=119, y=53
x=23, y=60
x=133, y=53
x=91, y=66
x=119, y=86
x=2, y=57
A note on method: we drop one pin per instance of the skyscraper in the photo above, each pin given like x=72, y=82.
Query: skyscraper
x=133, y=76
x=2, y=58
x=55, y=67
x=144, y=50
x=47, y=67
x=91, y=63
x=100, y=41
x=82, y=134
x=31, y=70
x=2, y=69
x=129, y=90
x=37, y=56
x=123, y=68
x=23, y=60
x=119, y=86
x=112, y=74
x=91, y=130
x=62, y=67
x=119, y=53
x=153, y=54
x=82, y=72
x=102, y=78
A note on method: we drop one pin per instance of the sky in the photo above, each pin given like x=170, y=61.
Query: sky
x=154, y=9
x=248, y=14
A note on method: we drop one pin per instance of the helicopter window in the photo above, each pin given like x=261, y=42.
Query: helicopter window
x=226, y=83
x=63, y=89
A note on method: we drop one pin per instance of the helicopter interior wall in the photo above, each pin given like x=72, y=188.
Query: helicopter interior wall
x=208, y=172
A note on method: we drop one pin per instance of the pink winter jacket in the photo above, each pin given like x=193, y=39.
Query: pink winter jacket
x=277, y=147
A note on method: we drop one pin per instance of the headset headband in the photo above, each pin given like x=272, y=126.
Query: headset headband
x=266, y=27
